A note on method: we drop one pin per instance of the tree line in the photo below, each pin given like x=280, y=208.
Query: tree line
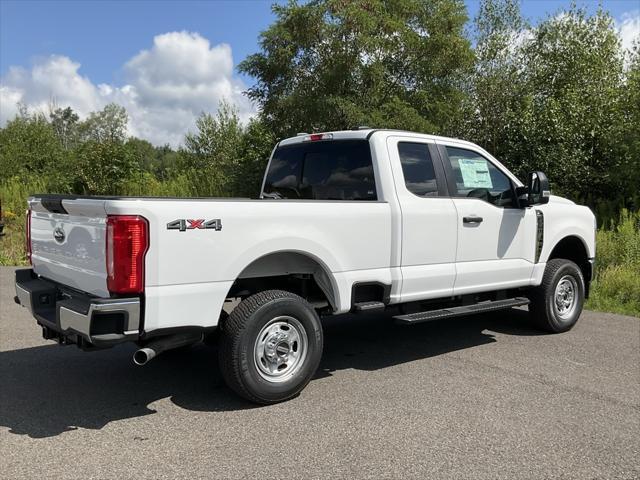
x=562, y=96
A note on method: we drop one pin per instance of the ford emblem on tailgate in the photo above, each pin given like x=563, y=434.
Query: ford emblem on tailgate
x=58, y=234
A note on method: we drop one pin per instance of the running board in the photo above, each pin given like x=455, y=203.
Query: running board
x=488, y=306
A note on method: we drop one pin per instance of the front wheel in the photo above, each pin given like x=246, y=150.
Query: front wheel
x=270, y=346
x=556, y=304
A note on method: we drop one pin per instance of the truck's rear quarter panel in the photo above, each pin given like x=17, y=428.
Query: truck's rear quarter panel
x=188, y=273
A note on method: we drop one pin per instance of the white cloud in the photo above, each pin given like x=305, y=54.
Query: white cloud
x=166, y=87
x=55, y=77
x=9, y=98
x=629, y=29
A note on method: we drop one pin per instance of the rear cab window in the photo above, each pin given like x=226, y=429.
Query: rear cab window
x=322, y=170
x=418, y=169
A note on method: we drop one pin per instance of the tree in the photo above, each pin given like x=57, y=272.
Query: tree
x=255, y=148
x=550, y=98
x=28, y=145
x=494, y=104
x=629, y=172
x=224, y=157
x=142, y=152
x=334, y=64
x=166, y=161
x=574, y=78
x=211, y=153
x=106, y=125
x=103, y=167
x=65, y=124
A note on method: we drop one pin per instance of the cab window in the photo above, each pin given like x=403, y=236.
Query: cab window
x=417, y=168
x=323, y=170
x=477, y=177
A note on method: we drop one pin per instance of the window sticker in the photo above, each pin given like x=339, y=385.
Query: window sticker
x=475, y=173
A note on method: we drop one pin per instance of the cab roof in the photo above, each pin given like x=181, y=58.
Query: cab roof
x=363, y=134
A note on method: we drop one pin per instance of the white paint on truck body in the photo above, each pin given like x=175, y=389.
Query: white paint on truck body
x=418, y=246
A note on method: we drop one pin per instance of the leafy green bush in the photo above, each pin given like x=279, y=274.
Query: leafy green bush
x=15, y=191
x=616, y=287
x=13, y=195
x=146, y=184
x=103, y=167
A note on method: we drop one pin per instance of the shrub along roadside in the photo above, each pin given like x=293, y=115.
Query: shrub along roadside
x=13, y=196
x=616, y=287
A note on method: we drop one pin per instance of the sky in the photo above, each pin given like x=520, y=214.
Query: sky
x=165, y=60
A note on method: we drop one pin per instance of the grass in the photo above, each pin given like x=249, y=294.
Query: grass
x=13, y=196
x=616, y=287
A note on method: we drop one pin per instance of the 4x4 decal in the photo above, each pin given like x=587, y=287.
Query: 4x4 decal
x=183, y=224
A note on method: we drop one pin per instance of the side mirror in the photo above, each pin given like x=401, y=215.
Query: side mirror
x=538, y=189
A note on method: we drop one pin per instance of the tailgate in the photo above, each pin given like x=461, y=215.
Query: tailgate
x=68, y=241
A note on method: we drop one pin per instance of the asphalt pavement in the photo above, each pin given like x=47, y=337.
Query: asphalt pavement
x=484, y=396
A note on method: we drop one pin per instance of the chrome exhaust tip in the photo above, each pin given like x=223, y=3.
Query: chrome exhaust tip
x=143, y=356
x=158, y=345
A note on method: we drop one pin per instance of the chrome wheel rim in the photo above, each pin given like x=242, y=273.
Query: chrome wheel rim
x=565, y=299
x=280, y=349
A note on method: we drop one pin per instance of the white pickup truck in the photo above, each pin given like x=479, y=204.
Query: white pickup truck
x=348, y=221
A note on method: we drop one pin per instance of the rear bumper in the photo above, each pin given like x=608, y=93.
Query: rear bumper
x=72, y=317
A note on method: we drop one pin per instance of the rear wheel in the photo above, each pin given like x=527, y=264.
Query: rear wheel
x=556, y=304
x=270, y=346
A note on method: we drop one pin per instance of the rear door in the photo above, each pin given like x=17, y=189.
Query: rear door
x=68, y=242
x=429, y=219
x=496, y=239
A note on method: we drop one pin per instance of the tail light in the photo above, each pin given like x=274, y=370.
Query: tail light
x=28, y=235
x=127, y=245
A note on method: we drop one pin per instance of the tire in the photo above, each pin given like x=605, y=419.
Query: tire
x=555, y=307
x=270, y=346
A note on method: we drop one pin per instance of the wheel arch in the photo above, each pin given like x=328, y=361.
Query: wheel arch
x=574, y=248
x=289, y=263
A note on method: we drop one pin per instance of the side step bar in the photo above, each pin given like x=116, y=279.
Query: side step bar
x=488, y=306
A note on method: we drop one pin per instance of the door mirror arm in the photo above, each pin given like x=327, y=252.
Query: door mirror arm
x=522, y=196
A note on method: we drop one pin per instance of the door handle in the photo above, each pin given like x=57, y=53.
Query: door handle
x=472, y=219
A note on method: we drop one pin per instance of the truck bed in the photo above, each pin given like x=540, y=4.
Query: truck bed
x=186, y=269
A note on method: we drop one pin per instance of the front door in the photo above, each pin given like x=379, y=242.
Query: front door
x=496, y=239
